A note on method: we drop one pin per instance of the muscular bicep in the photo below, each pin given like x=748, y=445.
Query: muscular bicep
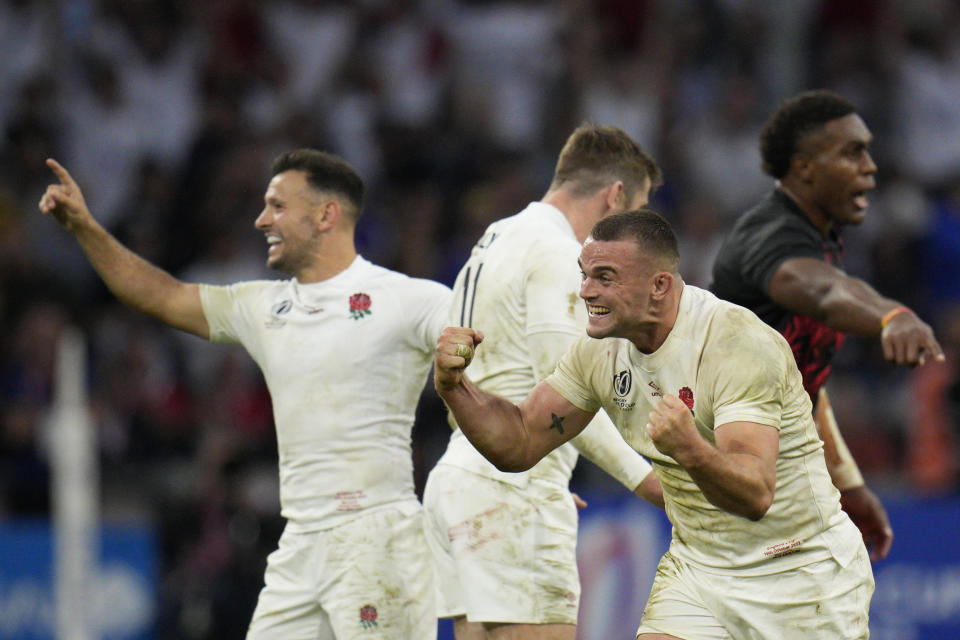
x=802, y=284
x=750, y=438
x=550, y=420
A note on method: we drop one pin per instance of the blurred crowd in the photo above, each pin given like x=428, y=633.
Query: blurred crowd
x=168, y=112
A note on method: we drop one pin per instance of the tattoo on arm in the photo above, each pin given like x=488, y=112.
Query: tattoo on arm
x=557, y=422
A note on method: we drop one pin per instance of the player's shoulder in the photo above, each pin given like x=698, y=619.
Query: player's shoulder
x=773, y=215
x=255, y=288
x=399, y=283
x=732, y=327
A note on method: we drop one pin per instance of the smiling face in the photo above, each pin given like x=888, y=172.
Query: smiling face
x=616, y=286
x=838, y=171
x=289, y=221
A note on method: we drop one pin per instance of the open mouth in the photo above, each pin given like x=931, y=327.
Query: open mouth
x=860, y=200
x=597, y=310
x=273, y=242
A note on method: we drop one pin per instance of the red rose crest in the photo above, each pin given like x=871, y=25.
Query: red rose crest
x=368, y=616
x=359, y=305
x=686, y=395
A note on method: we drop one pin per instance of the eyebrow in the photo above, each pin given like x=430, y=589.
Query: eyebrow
x=598, y=270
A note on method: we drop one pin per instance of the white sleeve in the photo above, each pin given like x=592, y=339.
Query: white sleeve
x=601, y=443
x=224, y=311
x=429, y=309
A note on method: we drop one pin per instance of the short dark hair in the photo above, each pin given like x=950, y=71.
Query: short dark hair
x=652, y=233
x=596, y=155
x=794, y=119
x=325, y=172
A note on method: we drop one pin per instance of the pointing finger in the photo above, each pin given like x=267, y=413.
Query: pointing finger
x=62, y=174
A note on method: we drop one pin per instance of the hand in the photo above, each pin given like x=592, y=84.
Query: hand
x=909, y=340
x=672, y=429
x=866, y=511
x=579, y=502
x=65, y=200
x=455, y=350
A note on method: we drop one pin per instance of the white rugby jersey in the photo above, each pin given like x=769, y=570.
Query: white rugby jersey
x=345, y=361
x=727, y=366
x=521, y=283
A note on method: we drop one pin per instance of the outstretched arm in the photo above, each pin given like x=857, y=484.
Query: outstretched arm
x=821, y=291
x=132, y=279
x=512, y=437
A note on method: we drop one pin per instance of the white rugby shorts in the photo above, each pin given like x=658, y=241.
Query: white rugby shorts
x=502, y=553
x=366, y=579
x=820, y=600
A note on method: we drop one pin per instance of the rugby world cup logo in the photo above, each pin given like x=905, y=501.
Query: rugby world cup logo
x=622, y=383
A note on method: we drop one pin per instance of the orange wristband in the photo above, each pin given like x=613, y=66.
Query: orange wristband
x=893, y=313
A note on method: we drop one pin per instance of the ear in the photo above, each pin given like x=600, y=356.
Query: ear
x=615, y=197
x=662, y=284
x=330, y=214
x=802, y=166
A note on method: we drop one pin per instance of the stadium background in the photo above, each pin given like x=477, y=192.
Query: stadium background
x=168, y=112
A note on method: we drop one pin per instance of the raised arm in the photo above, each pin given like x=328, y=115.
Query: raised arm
x=738, y=475
x=821, y=291
x=132, y=279
x=512, y=437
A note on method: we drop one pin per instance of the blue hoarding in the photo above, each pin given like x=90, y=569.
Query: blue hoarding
x=123, y=591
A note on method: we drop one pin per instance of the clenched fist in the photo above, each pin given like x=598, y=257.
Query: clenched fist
x=671, y=427
x=455, y=350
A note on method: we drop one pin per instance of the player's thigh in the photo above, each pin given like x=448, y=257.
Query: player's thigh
x=378, y=581
x=512, y=551
x=675, y=607
x=531, y=632
x=288, y=605
x=819, y=600
x=442, y=489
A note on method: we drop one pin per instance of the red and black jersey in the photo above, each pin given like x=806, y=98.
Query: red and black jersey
x=762, y=238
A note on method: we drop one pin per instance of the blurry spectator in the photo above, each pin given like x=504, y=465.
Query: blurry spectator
x=314, y=40
x=719, y=150
x=504, y=56
x=925, y=92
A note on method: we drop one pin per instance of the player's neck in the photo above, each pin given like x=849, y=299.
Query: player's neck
x=330, y=259
x=652, y=335
x=819, y=219
x=581, y=213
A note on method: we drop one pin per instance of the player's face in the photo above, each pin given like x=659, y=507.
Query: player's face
x=288, y=221
x=842, y=169
x=616, y=286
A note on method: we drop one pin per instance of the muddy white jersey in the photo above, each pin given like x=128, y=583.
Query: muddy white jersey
x=345, y=361
x=520, y=287
x=726, y=365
